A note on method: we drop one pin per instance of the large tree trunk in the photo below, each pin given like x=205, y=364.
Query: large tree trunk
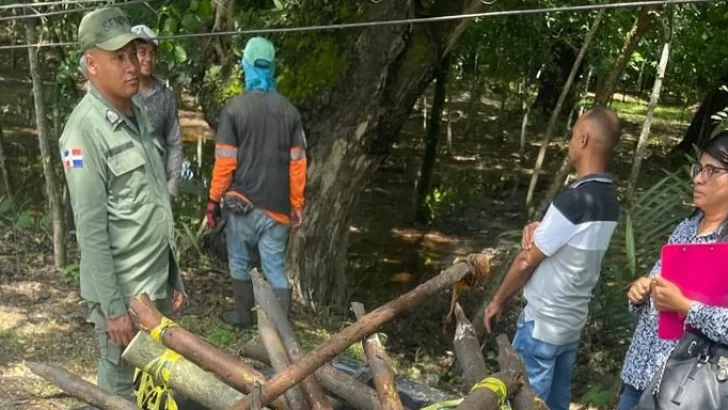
x=554, y=77
x=557, y=110
x=352, y=130
x=422, y=215
x=702, y=125
x=645, y=133
x=639, y=28
x=55, y=205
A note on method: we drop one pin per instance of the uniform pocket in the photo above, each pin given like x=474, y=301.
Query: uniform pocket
x=126, y=161
x=128, y=185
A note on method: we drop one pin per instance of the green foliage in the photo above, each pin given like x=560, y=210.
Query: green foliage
x=441, y=201
x=188, y=240
x=19, y=215
x=181, y=59
x=223, y=337
x=598, y=397
x=72, y=273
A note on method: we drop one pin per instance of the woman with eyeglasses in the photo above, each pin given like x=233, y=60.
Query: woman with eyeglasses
x=652, y=294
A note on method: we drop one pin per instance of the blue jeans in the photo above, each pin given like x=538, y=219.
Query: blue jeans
x=548, y=366
x=256, y=229
x=629, y=397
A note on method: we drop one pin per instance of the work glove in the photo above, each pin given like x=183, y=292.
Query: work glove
x=212, y=213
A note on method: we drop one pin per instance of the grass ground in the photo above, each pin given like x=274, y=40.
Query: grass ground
x=479, y=193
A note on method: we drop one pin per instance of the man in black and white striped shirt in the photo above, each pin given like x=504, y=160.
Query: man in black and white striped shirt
x=561, y=262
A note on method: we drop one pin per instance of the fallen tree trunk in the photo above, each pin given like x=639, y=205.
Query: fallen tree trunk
x=266, y=298
x=80, y=388
x=377, y=359
x=195, y=349
x=370, y=323
x=180, y=374
x=467, y=349
x=278, y=360
x=509, y=360
x=340, y=384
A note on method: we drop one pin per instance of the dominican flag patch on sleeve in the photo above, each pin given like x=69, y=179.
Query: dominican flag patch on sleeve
x=72, y=158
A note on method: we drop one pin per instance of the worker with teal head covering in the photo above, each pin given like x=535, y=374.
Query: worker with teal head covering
x=258, y=180
x=259, y=65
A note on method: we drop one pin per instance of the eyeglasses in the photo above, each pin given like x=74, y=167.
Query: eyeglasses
x=709, y=170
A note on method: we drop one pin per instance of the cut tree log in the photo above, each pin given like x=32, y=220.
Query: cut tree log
x=340, y=384
x=379, y=366
x=256, y=397
x=80, y=388
x=467, y=349
x=509, y=360
x=279, y=359
x=485, y=398
x=234, y=372
x=267, y=300
x=184, y=376
x=370, y=323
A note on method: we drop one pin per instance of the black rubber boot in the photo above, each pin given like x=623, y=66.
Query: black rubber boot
x=241, y=316
x=284, y=297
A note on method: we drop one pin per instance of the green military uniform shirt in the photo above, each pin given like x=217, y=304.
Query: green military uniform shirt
x=118, y=191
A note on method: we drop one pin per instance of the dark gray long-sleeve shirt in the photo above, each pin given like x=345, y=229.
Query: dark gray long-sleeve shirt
x=160, y=105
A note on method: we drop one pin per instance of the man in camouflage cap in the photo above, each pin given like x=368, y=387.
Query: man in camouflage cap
x=118, y=189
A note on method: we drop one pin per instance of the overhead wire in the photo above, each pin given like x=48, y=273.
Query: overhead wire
x=419, y=20
x=26, y=5
x=75, y=10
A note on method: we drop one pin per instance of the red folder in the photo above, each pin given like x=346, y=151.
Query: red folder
x=701, y=273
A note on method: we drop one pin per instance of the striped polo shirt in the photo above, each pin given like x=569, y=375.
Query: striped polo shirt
x=574, y=235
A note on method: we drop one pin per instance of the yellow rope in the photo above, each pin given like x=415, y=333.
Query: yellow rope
x=494, y=384
x=152, y=383
x=164, y=324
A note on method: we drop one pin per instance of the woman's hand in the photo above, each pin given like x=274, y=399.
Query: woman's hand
x=669, y=298
x=639, y=291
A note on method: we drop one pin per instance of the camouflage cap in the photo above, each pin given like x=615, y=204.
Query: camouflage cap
x=106, y=28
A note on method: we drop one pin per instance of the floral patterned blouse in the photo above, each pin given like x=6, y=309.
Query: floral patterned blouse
x=648, y=352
